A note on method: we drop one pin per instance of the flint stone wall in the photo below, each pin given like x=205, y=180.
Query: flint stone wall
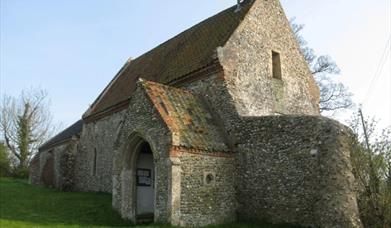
x=203, y=203
x=34, y=171
x=292, y=169
x=296, y=169
x=247, y=62
x=214, y=92
x=142, y=120
x=61, y=171
x=97, y=136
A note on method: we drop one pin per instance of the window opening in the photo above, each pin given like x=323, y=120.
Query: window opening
x=94, y=165
x=276, y=65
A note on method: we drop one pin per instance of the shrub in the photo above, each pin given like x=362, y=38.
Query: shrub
x=5, y=163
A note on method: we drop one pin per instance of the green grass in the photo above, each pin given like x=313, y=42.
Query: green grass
x=24, y=205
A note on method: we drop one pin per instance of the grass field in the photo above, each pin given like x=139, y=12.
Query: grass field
x=23, y=205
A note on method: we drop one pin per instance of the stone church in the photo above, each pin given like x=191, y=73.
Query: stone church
x=219, y=124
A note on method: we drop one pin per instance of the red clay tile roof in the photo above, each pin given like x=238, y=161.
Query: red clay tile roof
x=187, y=52
x=186, y=116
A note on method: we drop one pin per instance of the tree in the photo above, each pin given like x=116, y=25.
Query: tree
x=25, y=123
x=5, y=163
x=333, y=95
x=372, y=169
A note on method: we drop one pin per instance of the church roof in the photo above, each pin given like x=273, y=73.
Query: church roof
x=66, y=134
x=186, y=116
x=187, y=52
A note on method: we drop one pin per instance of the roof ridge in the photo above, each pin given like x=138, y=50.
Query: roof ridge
x=65, y=134
x=145, y=83
x=192, y=27
x=186, y=52
x=112, y=81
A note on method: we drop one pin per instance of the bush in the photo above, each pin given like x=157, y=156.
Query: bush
x=20, y=173
x=6, y=167
x=5, y=163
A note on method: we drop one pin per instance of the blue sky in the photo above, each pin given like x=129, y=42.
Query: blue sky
x=74, y=48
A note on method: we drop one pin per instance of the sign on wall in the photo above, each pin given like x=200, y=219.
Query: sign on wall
x=144, y=177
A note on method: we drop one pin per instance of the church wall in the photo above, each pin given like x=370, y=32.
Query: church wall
x=58, y=159
x=93, y=167
x=296, y=170
x=48, y=171
x=141, y=120
x=207, y=194
x=34, y=171
x=292, y=169
x=213, y=90
x=59, y=170
x=247, y=62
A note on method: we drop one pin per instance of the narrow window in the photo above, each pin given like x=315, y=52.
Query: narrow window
x=276, y=65
x=94, y=164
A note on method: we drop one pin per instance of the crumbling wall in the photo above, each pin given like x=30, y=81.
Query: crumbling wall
x=296, y=169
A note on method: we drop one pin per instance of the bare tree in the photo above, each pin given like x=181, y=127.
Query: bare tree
x=372, y=169
x=333, y=95
x=25, y=123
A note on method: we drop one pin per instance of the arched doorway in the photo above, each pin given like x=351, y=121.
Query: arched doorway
x=134, y=185
x=144, y=183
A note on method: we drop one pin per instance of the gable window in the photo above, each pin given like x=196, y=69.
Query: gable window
x=276, y=65
x=94, y=164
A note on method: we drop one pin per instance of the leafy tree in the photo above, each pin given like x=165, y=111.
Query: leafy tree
x=372, y=169
x=333, y=95
x=25, y=123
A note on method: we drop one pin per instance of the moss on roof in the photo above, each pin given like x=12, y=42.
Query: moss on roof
x=187, y=117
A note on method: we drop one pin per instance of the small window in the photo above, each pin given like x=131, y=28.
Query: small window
x=276, y=65
x=209, y=178
x=94, y=164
